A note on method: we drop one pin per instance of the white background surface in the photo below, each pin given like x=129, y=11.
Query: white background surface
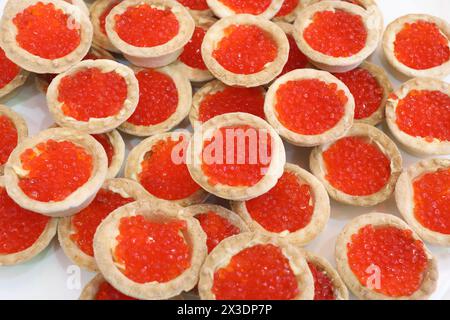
x=51, y=275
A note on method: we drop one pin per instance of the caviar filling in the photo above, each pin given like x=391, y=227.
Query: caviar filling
x=152, y=251
x=55, y=170
x=432, y=200
x=216, y=228
x=192, y=55
x=163, y=23
x=237, y=156
x=85, y=223
x=45, y=31
x=260, y=272
x=108, y=292
x=296, y=58
x=245, y=49
x=104, y=14
x=336, y=33
x=8, y=70
x=199, y=5
x=287, y=206
x=8, y=142
x=425, y=113
x=309, y=106
x=158, y=98
x=232, y=99
x=103, y=139
x=91, y=93
x=421, y=45
x=365, y=89
x=389, y=254
x=356, y=166
x=164, y=173
x=19, y=228
x=287, y=8
x=255, y=7
x=323, y=286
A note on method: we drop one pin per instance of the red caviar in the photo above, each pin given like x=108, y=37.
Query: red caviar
x=152, y=251
x=106, y=144
x=287, y=8
x=163, y=24
x=44, y=30
x=165, y=177
x=421, y=45
x=55, y=170
x=91, y=93
x=8, y=142
x=287, y=206
x=356, y=167
x=195, y=4
x=158, y=98
x=192, y=55
x=108, y=292
x=245, y=49
x=85, y=222
x=216, y=228
x=432, y=200
x=296, y=58
x=395, y=256
x=260, y=272
x=8, y=69
x=246, y=161
x=19, y=228
x=232, y=99
x=338, y=34
x=425, y=113
x=255, y=7
x=105, y=13
x=323, y=286
x=310, y=106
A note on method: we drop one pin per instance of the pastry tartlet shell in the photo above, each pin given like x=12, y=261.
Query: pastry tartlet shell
x=9, y=89
x=101, y=39
x=290, y=18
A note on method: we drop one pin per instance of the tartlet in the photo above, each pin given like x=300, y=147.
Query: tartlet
x=158, y=163
x=233, y=270
x=114, y=147
x=26, y=43
x=24, y=234
x=11, y=76
x=156, y=274
x=297, y=208
x=99, y=289
x=263, y=8
x=232, y=44
x=360, y=168
x=418, y=117
x=78, y=98
x=323, y=107
x=76, y=233
x=257, y=162
x=165, y=97
x=80, y=4
x=37, y=171
x=99, y=11
x=197, y=8
x=422, y=199
x=359, y=35
x=171, y=22
x=367, y=267
x=417, y=45
x=13, y=129
x=289, y=10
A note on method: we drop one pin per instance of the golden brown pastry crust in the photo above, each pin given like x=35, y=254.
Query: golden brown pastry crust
x=222, y=11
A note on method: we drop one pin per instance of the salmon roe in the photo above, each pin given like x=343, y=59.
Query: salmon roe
x=55, y=170
x=91, y=93
x=216, y=228
x=8, y=142
x=356, y=167
x=162, y=22
x=296, y=58
x=152, y=251
x=8, y=69
x=323, y=286
x=164, y=176
x=365, y=89
x=245, y=49
x=421, y=45
x=192, y=55
x=108, y=292
x=338, y=34
x=195, y=4
x=425, y=113
x=232, y=99
x=240, y=162
x=287, y=8
x=85, y=222
x=260, y=272
x=104, y=14
x=158, y=98
x=432, y=200
x=103, y=139
x=255, y=7
x=399, y=260
x=45, y=31
x=309, y=106
x=19, y=228
x=287, y=206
